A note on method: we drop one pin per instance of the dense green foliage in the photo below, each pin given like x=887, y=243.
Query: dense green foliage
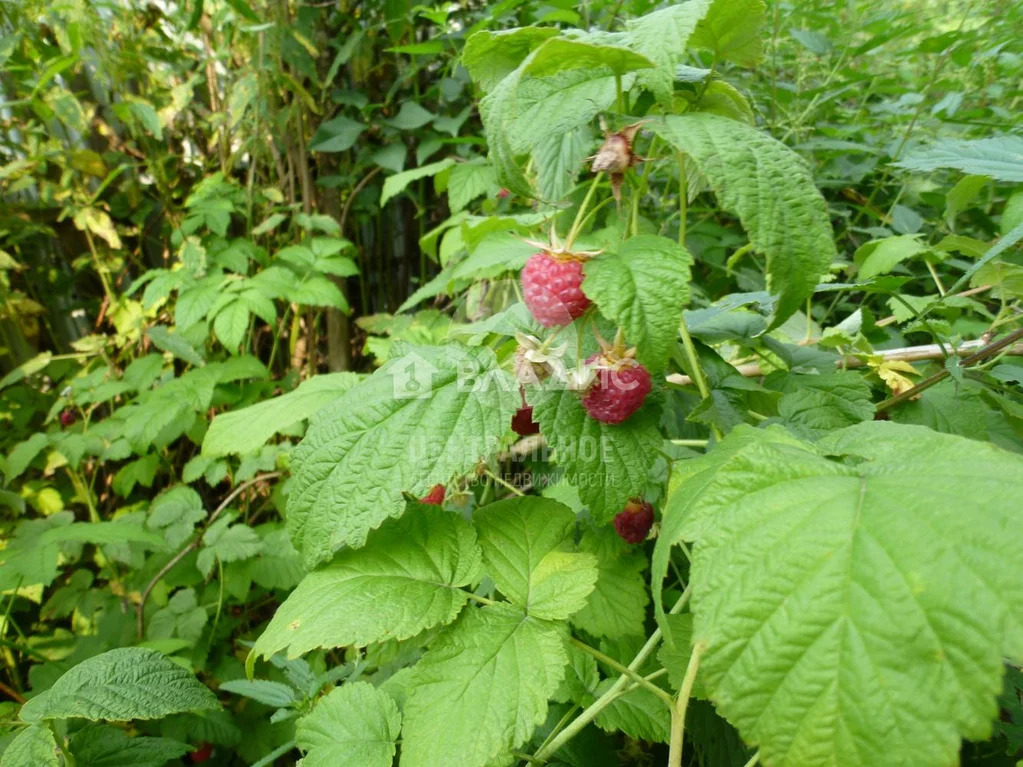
x=259, y=296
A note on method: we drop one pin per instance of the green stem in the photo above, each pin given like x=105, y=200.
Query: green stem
x=559, y=726
x=690, y=442
x=753, y=760
x=619, y=101
x=683, y=199
x=697, y=371
x=578, y=223
x=623, y=669
x=591, y=711
x=678, y=712
x=935, y=277
x=503, y=483
x=275, y=754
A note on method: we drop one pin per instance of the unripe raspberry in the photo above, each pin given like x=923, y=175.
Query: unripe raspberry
x=633, y=523
x=552, y=288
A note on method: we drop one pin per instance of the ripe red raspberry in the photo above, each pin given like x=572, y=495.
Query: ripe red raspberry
x=435, y=497
x=202, y=753
x=634, y=522
x=67, y=417
x=552, y=288
x=523, y=423
x=618, y=390
x=502, y=193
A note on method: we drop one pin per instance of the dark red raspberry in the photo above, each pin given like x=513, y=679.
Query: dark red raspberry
x=523, y=423
x=634, y=522
x=552, y=288
x=202, y=753
x=435, y=497
x=67, y=417
x=618, y=390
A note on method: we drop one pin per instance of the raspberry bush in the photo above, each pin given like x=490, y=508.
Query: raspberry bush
x=690, y=442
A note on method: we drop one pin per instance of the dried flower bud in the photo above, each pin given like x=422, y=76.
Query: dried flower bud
x=615, y=156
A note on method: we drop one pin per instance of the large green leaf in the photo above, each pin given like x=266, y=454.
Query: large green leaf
x=558, y=54
x=772, y=191
x=354, y=726
x=429, y=413
x=557, y=103
x=692, y=484
x=854, y=613
x=481, y=689
x=525, y=544
x=814, y=405
x=103, y=745
x=732, y=30
x=522, y=112
x=663, y=36
x=248, y=429
x=404, y=580
x=490, y=56
x=1000, y=157
x=608, y=463
x=558, y=160
x=643, y=286
x=121, y=684
x=32, y=747
x=616, y=608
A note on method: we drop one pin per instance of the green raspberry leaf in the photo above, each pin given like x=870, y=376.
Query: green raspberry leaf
x=247, y=429
x=404, y=580
x=429, y=413
x=490, y=56
x=354, y=724
x=120, y=685
x=639, y=714
x=642, y=287
x=525, y=544
x=482, y=689
x=663, y=37
x=815, y=405
x=608, y=463
x=732, y=29
x=32, y=747
x=103, y=745
x=616, y=608
x=772, y=191
x=852, y=612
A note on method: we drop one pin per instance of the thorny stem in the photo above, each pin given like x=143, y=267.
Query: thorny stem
x=678, y=712
x=591, y=712
x=928, y=382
